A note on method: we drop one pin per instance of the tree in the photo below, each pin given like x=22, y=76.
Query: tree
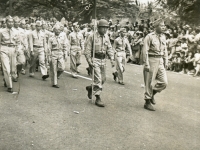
x=188, y=10
x=73, y=10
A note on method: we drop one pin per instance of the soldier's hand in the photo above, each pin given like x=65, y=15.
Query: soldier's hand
x=65, y=57
x=112, y=63
x=146, y=67
x=32, y=53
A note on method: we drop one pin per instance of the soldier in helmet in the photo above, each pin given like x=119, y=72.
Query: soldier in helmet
x=102, y=47
x=155, y=60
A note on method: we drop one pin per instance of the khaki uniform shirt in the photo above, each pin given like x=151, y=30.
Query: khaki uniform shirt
x=58, y=43
x=76, y=41
x=155, y=44
x=9, y=36
x=23, y=37
x=122, y=44
x=37, y=39
x=102, y=45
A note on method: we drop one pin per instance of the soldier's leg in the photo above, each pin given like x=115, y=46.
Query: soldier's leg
x=78, y=58
x=34, y=58
x=5, y=62
x=73, y=66
x=53, y=70
x=61, y=66
x=20, y=60
x=161, y=79
x=43, y=68
x=13, y=69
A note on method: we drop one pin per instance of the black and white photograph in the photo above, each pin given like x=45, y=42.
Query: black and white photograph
x=99, y=74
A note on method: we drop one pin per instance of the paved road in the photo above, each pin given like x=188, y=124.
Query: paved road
x=43, y=118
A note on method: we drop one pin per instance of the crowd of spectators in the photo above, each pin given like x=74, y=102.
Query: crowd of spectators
x=183, y=44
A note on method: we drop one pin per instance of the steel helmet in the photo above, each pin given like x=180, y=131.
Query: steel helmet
x=103, y=23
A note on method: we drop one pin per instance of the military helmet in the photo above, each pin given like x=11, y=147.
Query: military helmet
x=103, y=23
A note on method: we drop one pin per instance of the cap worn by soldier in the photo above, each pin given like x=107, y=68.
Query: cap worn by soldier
x=103, y=23
x=157, y=22
x=38, y=23
x=16, y=19
x=122, y=30
x=9, y=18
x=23, y=21
x=75, y=24
x=57, y=27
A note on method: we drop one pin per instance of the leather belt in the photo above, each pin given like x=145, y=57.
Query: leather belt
x=35, y=46
x=156, y=56
x=100, y=55
x=8, y=45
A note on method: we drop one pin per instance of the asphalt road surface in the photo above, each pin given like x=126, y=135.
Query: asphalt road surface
x=44, y=118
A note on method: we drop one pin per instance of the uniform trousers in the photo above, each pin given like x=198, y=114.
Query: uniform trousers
x=57, y=66
x=120, y=59
x=156, y=78
x=38, y=54
x=99, y=75
x=8, y=62
x=75, y=56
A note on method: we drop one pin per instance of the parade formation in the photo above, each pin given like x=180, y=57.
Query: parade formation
x=47, y=44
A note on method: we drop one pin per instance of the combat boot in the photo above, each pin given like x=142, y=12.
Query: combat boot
x=89, y=89
x=148, y=105
x=153, y=100
x=115, y=75
x=98, y=101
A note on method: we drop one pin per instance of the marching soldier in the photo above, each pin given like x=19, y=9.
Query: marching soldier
x=8, y=41
x=22, y=46
x=122, y=49
x=38, y=49
x=102, y=47
x=58, y=55
x=76, y=42
x=155, y=60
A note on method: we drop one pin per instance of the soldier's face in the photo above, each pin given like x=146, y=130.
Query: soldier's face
x=160, y=28
x=102, y=30
x=33, y=27
x=16, y=24
x=23, y=25
x=76, y=28
x=38, y=28
x=0, y=24
x=10, y=23
x=44, y=26
x=57, y=31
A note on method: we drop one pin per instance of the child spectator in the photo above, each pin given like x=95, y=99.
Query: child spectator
x=197, y=63
x=184, y=46
x=189, y=63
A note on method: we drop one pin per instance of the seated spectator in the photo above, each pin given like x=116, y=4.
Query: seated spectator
x=189, y=63
x=173, y=62
x=184, y=46
x=136, y=47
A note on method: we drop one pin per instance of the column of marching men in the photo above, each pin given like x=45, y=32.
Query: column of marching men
x=44, y=46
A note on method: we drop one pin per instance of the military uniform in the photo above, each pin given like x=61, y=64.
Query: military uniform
x=76, y=42
x=8, y=41
x=38, y=48
x=122, y=48
x=58, y=52
x=155, y=55
x=22, y=48
x=102, y=47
